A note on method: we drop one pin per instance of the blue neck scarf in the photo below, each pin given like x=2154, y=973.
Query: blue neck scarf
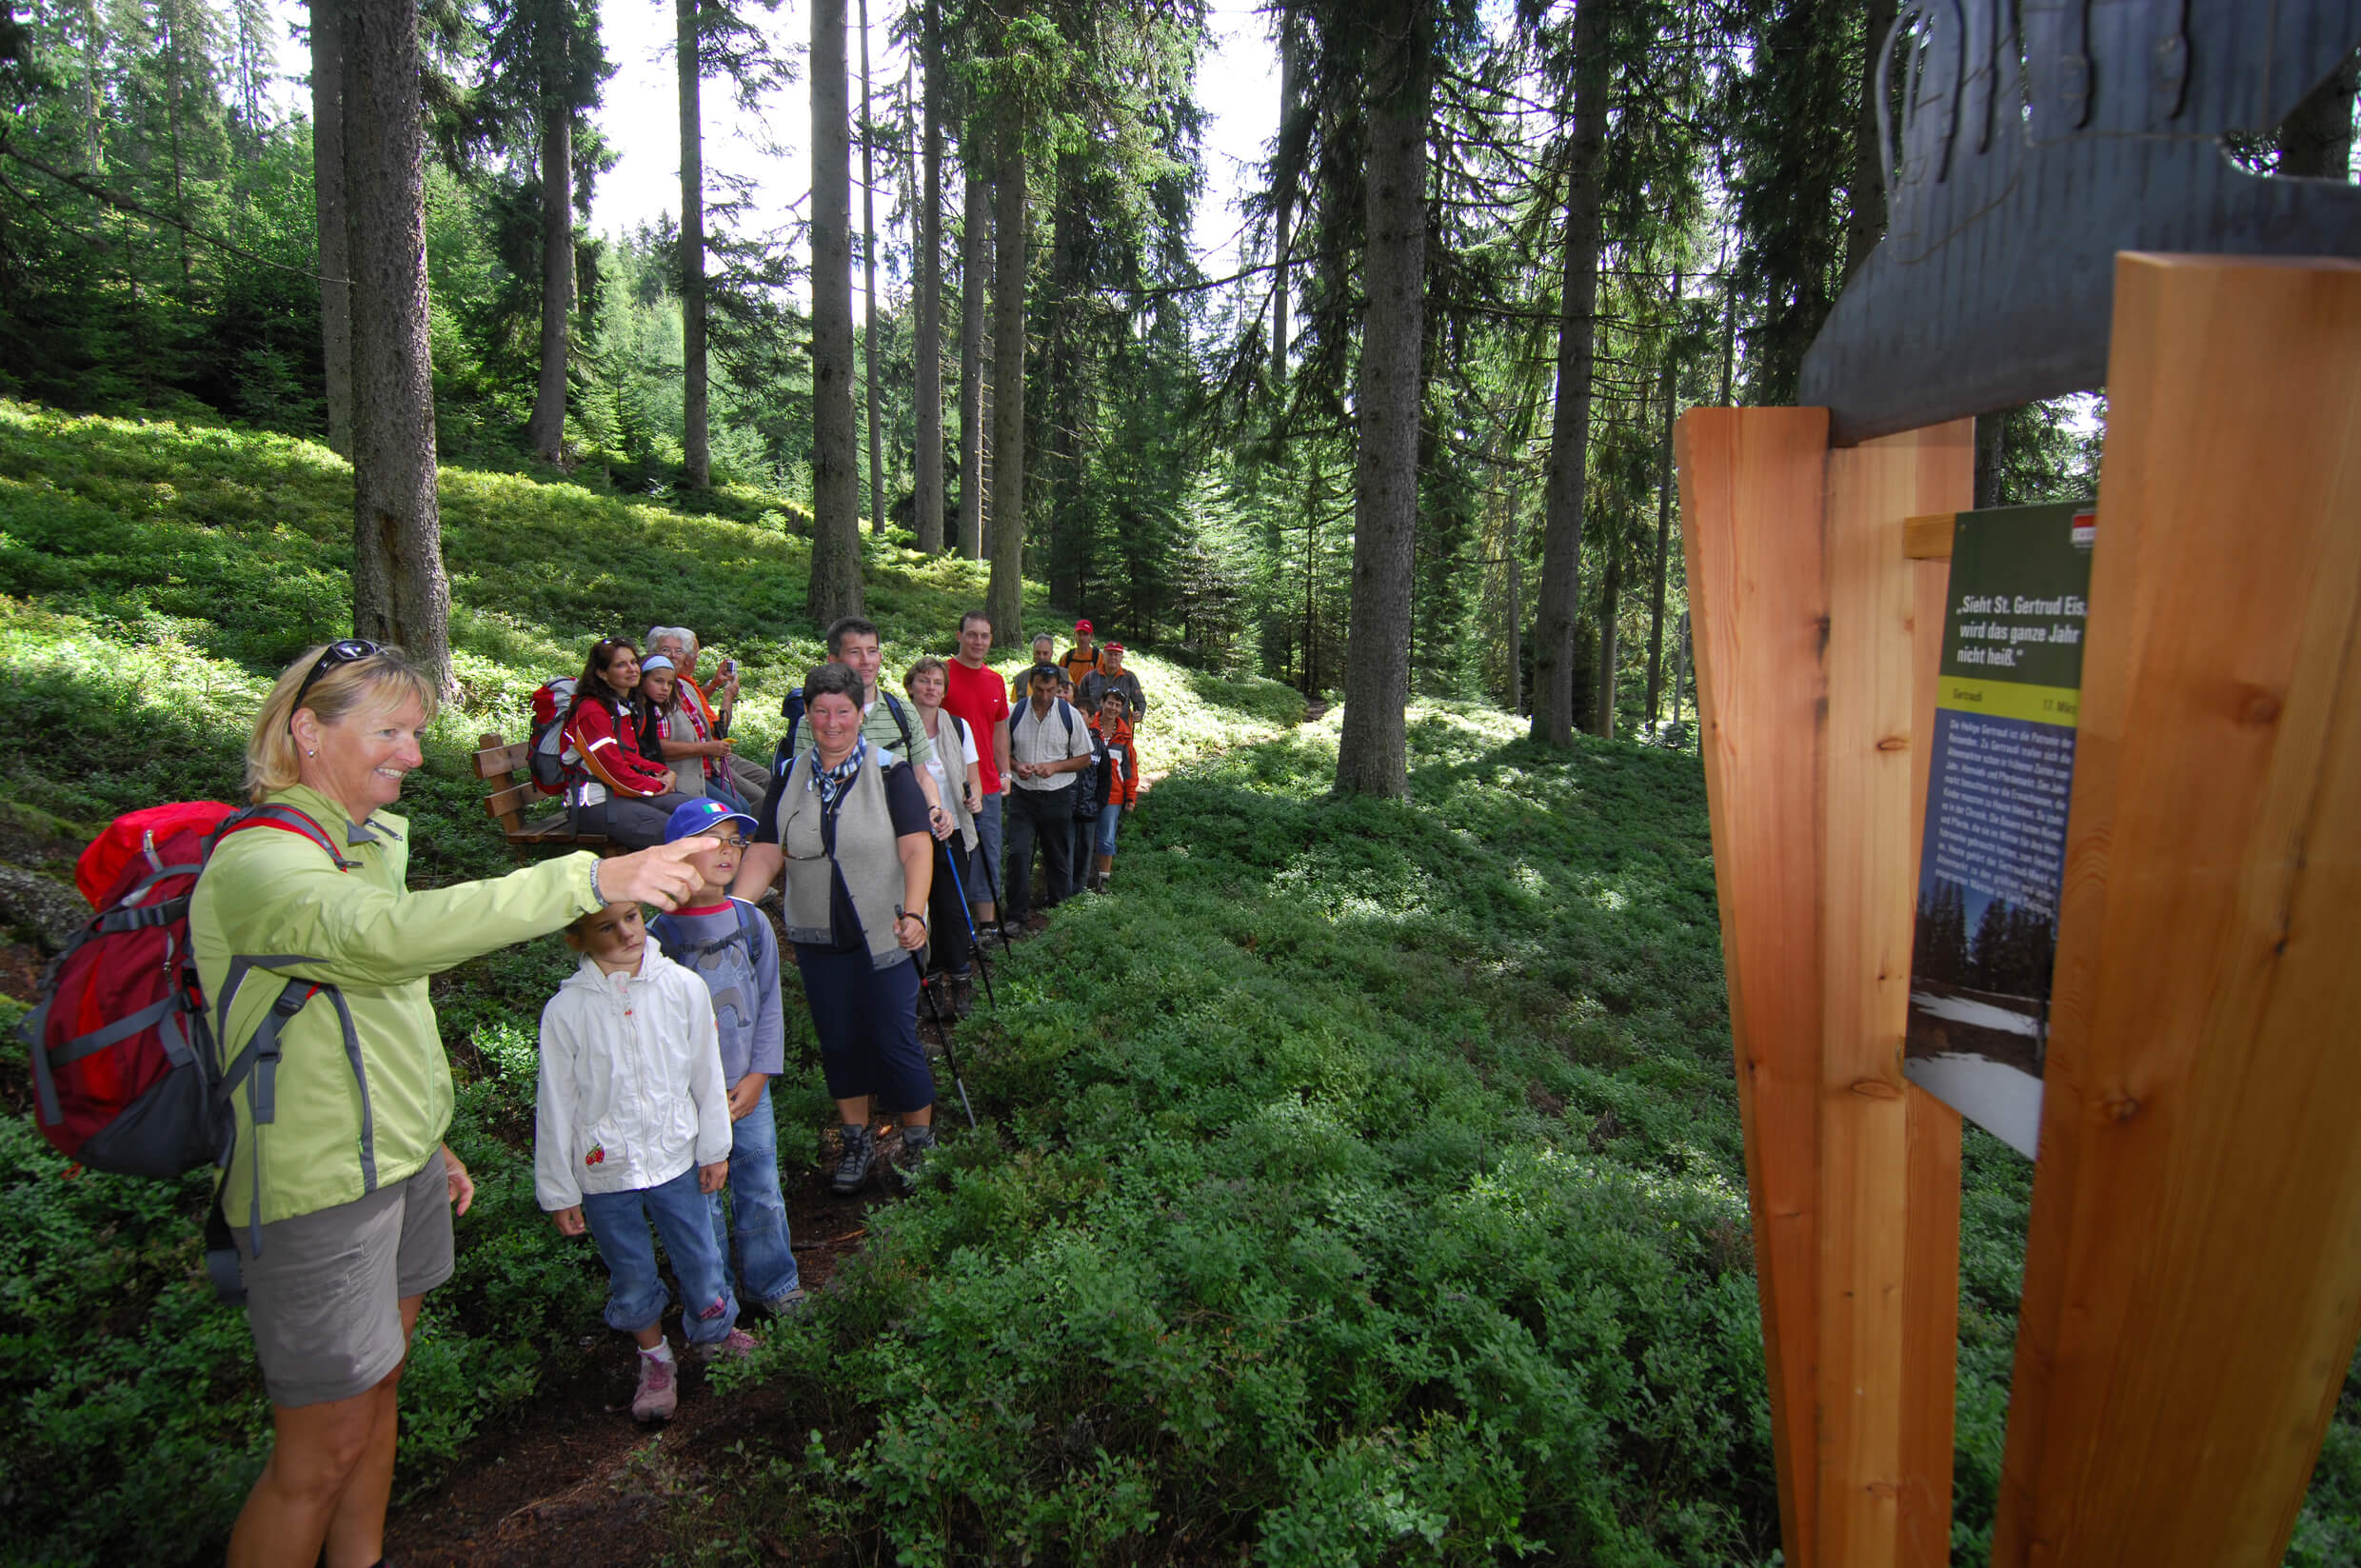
x=833, y=781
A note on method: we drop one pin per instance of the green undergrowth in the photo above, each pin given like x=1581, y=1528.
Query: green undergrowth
x=153, y=578
x=1360, y=1181
x=1364, y=1185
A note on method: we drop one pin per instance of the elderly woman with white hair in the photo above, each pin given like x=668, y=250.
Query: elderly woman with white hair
x=743, y=781
x=674, y=726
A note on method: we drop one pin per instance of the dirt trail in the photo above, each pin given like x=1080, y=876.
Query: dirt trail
x=569, y=1476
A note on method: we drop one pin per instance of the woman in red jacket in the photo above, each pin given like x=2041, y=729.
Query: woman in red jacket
x=628, y=796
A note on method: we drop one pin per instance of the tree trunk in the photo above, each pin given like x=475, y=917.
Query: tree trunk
x=93, y=132
x=1516, y=618
x=1569, y=421
x=1729, y=339
x=170, y=17
x=696, y=436
x=1991, y=433
x=835, y=587
x=1609, y=607
x=1680, y=664
x=1663, y=528
x=1865, y=220
x=974, y=261
x=1282, y=208
x=1062, y=468
x=929, y=269
x=2316, y=141
x=1372, y=753
x=545, y=430
x=1004, y=598
x=868, y=261
x=327, y=185
x=399, y=591
x=1315, y=497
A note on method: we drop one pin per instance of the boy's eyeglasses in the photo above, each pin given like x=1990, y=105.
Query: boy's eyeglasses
x=349, y=651
x=736, y=841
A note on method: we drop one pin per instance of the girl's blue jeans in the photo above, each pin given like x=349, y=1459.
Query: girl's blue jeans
x=686, y=1220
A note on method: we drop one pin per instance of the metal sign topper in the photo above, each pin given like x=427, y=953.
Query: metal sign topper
x=2025, y=150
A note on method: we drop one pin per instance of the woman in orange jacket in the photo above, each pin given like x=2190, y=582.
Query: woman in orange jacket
x=1112, y=724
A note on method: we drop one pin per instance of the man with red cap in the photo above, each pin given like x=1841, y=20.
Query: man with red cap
x=1083, y=658
x=1110, y=676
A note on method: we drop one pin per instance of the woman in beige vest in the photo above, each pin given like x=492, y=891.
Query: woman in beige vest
x=848, y=825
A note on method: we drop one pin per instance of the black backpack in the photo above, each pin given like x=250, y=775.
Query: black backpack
x=1090, y=785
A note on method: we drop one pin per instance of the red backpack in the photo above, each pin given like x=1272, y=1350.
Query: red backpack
x=546, y=754
x=128, y=1076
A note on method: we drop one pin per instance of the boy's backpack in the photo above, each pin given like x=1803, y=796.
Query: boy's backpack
x=128, y=1076
x=683, y=951
x=546, y=754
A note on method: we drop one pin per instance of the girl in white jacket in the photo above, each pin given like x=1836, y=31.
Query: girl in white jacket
x=632, y=1127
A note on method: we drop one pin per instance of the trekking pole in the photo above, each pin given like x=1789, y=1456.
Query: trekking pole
x=984, y=965
x=991, y=885
x=942, y=1033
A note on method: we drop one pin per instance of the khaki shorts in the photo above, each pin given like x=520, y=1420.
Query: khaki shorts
x=323, y=1297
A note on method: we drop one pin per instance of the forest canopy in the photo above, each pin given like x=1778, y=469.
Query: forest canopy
x=1622, y=210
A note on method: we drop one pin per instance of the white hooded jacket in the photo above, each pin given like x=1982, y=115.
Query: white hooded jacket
x=632, y=1091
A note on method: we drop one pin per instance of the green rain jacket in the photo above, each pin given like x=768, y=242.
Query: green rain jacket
x=342, y=1128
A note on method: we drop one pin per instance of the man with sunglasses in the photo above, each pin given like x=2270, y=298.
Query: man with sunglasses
x=729, y=945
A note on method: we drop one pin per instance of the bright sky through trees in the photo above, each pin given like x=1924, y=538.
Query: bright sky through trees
x=1237, y=84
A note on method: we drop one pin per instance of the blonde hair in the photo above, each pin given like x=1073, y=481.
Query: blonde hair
x=272, y=758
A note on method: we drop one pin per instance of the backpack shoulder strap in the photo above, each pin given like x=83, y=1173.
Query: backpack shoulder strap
x=893, y=705
x=665, y=925
x=286, y=818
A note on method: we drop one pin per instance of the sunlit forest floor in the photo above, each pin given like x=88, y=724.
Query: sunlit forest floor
x=1358, y=1182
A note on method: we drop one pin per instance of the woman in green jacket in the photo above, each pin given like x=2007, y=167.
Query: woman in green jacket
x=340, y=1188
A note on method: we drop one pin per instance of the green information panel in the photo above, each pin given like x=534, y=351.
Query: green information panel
x=1994, y=858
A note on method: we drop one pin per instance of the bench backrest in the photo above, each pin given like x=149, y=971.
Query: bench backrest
x=508, y=768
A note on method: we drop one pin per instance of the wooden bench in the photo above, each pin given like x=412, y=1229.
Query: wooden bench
x=508, y=768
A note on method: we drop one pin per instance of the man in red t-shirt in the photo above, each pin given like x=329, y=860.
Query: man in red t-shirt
x=975, y=694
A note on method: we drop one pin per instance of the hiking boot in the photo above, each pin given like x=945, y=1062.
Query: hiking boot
x=790, y=1305
x=853, y=1169
x=963, y=994
x=917, y=1143
x=659, y=1393
x=736, y=1346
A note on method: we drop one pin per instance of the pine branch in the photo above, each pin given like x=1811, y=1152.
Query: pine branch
x=98, y=192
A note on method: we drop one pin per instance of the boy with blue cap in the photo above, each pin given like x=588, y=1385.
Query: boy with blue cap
x=727, y=944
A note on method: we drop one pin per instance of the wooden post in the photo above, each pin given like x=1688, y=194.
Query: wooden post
x=1752, y=495
x=1815, y=640
x=2192, y=1282
x=1888, y=1178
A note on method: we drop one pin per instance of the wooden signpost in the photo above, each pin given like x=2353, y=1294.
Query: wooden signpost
x=2192, y=1286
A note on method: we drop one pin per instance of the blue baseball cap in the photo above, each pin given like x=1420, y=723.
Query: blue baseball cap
x=705, y=816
